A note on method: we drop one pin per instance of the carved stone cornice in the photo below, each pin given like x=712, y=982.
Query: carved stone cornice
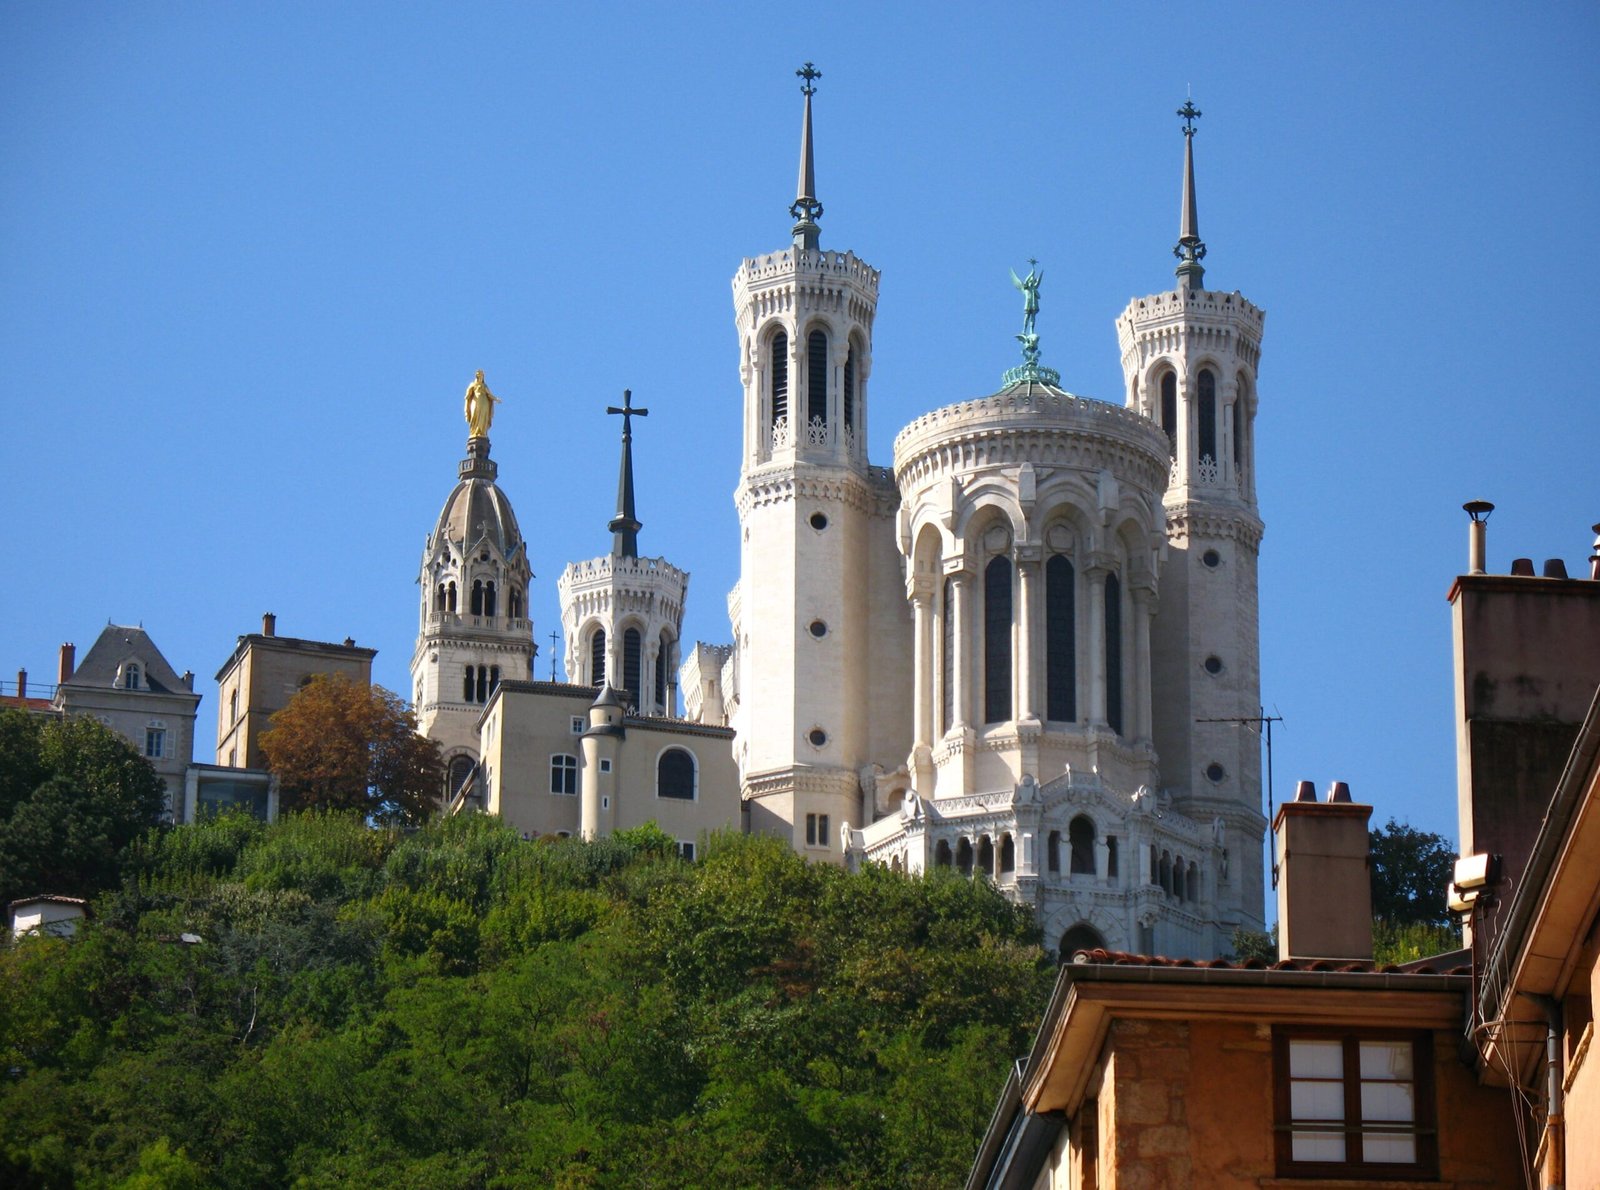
x=1214, y=523
x=785, y=484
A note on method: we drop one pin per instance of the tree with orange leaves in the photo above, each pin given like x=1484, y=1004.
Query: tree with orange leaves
x=339, y=745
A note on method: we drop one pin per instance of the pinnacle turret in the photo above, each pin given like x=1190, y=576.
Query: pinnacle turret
x=806, y=209
x=1191, y=250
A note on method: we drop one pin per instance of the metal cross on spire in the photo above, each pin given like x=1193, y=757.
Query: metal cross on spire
x=1191, y=249
x=555, y=639
x=625, y=525
x=805, y=209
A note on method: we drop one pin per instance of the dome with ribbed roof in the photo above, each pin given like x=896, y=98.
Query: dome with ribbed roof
x=477, y=508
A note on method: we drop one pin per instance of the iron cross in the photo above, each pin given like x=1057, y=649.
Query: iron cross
x=809, y=74
x=628, y=413
x=1190, y=114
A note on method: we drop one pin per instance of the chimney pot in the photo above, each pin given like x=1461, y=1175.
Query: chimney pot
x=1477, y=533
x=269, y=624
x=1522, y=567
x=68, y=662
x=1306, y=791
x=1338, y=793
x=188, y=679
x=1555, y=568
x=349, y=642
x=22, y=684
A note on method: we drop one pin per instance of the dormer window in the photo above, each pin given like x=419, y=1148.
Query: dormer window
x=130, y=676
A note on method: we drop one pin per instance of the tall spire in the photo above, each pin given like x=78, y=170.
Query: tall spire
x=1191, y=250
x=806, y=209
x=625, y=525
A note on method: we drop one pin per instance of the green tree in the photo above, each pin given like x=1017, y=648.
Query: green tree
x=339, y=745
x=74, y=795
x=1410, y=872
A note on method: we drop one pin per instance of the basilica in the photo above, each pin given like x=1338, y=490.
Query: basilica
x=1026, y=648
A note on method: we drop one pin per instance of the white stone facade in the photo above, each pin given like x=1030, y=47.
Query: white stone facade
x=622, y=617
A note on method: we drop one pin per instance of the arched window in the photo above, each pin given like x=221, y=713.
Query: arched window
x=233, y=706
x=1008, y=854
x=450, y=593
x=1053, y=858
x=1111, y=856
x=997, y=640
x=1191, y=882
x=514, y=608
x=469, y=684
x=964, y=856
x=1208, y=415
x=817, y=377
x=477, y=597
x=459, y=773
x=1238, y=426
x=675, y=774
x=130, y=676
x=488, y=598
x=663, y=661
x=1061, y=663
x=1080, y=835
x=494, y=677
x=942, y=858
x=780, y=377
x=1169, y=408
x=1114, y=653
x=1165, y=872
x=1178, y=872
x=850, y=388
x=947, y=656
x=986, y=855
x=1080, y=937
x=483, y=683
x=1155, y=866
x=597, y=657
x=631, y=660
x=438, y=602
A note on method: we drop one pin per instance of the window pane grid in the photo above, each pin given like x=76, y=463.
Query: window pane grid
x=1354, y=1104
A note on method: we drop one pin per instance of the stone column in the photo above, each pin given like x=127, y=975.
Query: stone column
x=1027, y=564
x=961, y=654
x=923, y=693
x=1144, y=610
x=1097, y=644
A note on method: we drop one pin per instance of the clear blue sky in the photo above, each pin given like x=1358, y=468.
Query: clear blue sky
x=251, y=254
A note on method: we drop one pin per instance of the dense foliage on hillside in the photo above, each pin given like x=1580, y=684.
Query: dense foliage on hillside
x=455, y=1007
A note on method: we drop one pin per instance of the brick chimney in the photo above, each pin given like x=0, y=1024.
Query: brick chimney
x=269, y=624
x=68, y=662
x=22, y=684
x=1324, y=876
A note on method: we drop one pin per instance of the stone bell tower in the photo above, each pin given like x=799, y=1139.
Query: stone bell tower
x=474, y=628
x=819, y=615
x=1190, y=358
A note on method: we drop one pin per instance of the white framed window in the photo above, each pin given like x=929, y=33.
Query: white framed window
x=816, y=830
x=577, y=725
x=686, y=850
x=155, y=740
x=130, y=676
x=605, y=765
x=564, y=774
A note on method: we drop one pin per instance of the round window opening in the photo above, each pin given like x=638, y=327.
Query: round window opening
x=818, y=629
x=818, y=737
x=819, y=522
x=1213, y=664
x=1211, y=558
x=1215, y=772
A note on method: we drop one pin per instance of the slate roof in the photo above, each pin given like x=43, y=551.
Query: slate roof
x=116, y=644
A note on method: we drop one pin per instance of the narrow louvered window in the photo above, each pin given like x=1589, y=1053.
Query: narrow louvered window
x=997, y=641
x=947, y=657
x=597, y=657
x=1208, y=416
x=817, y=377
x=780, y=377
x=1061, y=663
x=1169, y=409
x=663, y=659
x=850, y=388
x=631, y=657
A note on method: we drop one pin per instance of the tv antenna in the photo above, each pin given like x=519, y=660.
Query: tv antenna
x=1261, y=723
